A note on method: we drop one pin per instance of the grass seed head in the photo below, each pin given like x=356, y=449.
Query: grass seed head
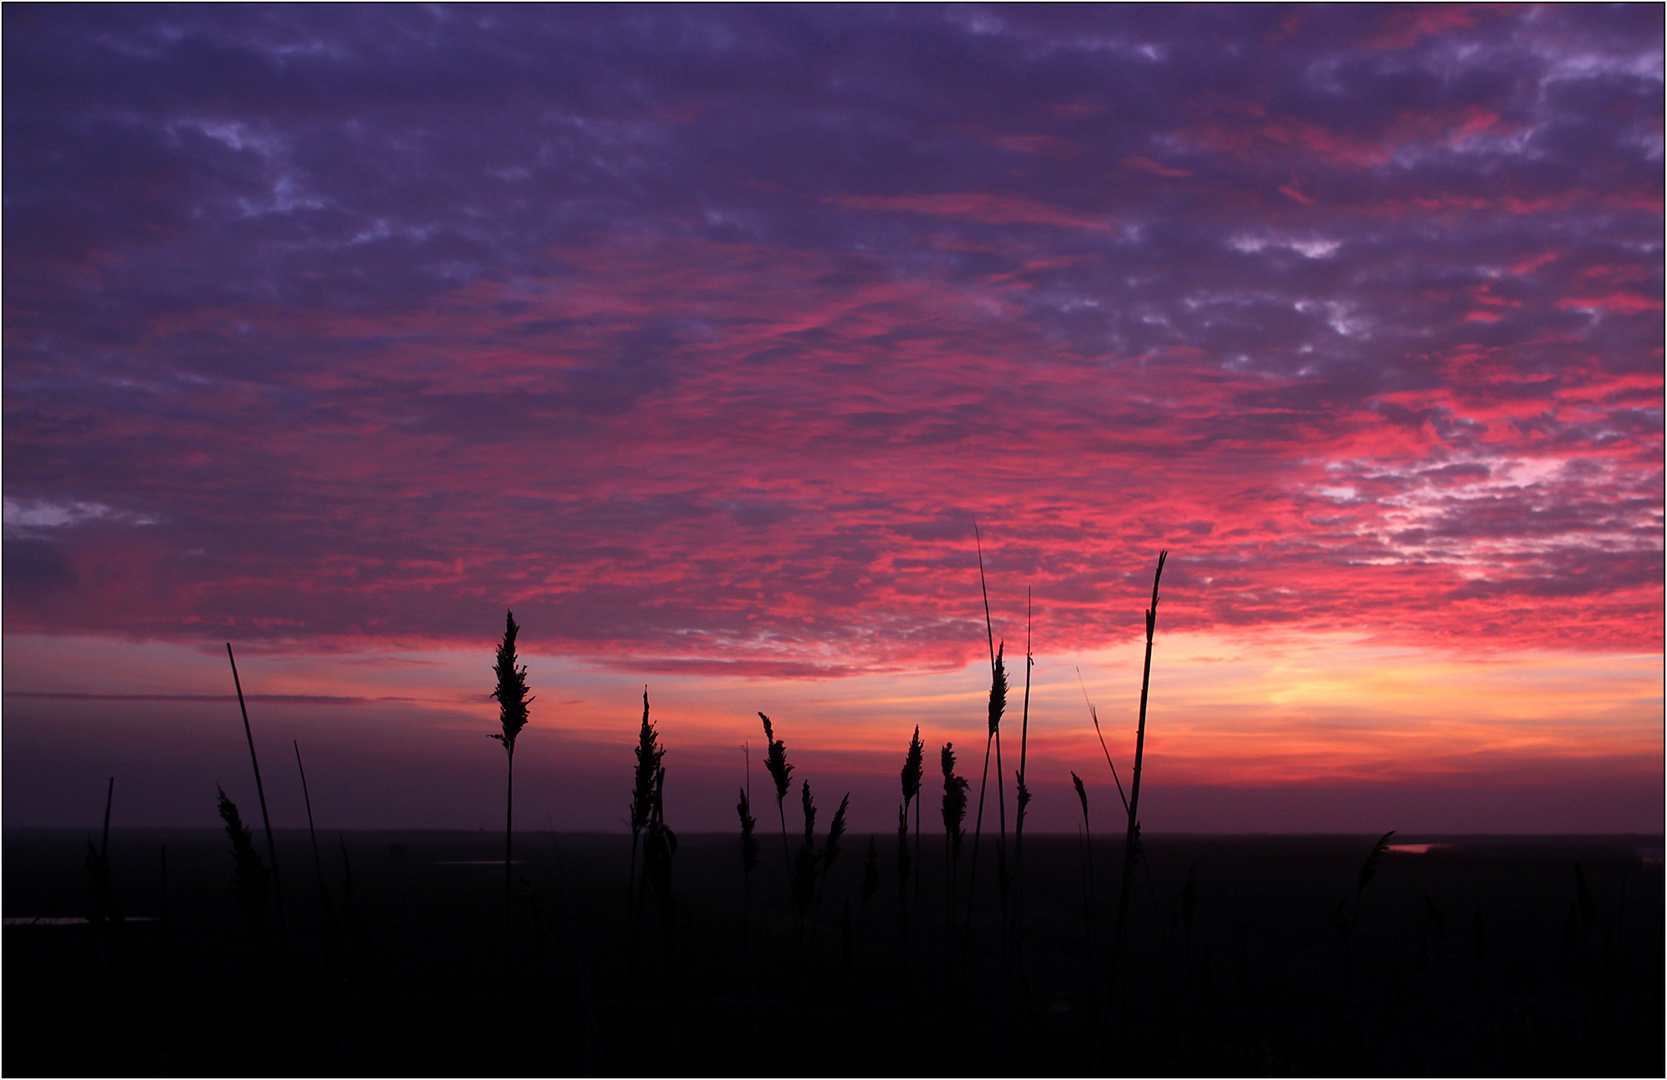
x=954, y=800
x=775, y=759
x=511, y=691
x=1369, y=868
x=649, y=753
x=749, y=841
x=998, y=689
x=251, y=882
x=913, y=768
x=836, y=831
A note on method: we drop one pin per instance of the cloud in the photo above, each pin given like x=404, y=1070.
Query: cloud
x=705, y=346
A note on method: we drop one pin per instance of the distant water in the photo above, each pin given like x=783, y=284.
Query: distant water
x=1418, y=849
x=65, y=920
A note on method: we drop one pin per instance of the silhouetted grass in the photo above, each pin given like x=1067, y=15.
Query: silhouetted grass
x=251, y=884
x=866, y=1010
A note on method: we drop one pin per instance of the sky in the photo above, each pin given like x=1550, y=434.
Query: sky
x=704, y=338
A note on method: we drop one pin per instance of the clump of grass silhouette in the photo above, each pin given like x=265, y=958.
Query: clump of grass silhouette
x=251, y=883
x=511, y=695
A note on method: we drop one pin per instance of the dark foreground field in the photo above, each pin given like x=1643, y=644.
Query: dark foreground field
x=1483, y=958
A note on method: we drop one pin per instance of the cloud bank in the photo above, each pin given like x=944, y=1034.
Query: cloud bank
x=702, y=337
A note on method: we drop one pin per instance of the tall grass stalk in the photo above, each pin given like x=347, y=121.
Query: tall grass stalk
x=1086, y=858
x=1022, y=792
x=332, y=925
x=339, y=967
x=260, y=791
x=106, y=923
x=998, y=704
x=1094, y=715
x=1131, y=840
x=511, y=695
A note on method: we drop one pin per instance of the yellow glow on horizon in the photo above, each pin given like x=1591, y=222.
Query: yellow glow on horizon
x=1253, y=708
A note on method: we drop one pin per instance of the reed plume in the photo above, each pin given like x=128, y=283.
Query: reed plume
x=998, y=705
x=775, y=760
x=1369, y=868
x=836, y=832
x=913, y=771
x=805, y=863
x=251, y=883
x=830, y=852
x=954, y=801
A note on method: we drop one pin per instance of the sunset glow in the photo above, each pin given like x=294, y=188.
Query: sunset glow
x=702, y=338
